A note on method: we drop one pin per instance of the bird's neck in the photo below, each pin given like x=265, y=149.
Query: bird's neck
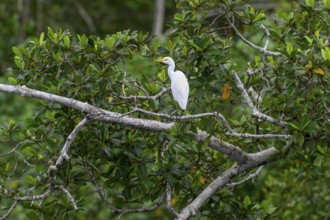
x=170, y=70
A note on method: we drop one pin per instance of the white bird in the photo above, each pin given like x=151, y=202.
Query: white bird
x=179, y=82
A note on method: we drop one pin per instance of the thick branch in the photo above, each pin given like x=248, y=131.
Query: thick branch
x=102, y=115
x=253, y=160
x=234, y=153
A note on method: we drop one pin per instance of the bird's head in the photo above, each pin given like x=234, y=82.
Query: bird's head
x=165, y=60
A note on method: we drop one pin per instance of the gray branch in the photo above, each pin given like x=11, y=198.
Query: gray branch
x=168, y=200
x=262, y=50
x=64, y=152
x=10, y=210
x=250, y=176
x=154, y=97
x=255, y=112
x=36, y=197
x=16, y=147
x=234, y=153
x=69, y=196
x=259, y=136
x=253, y=160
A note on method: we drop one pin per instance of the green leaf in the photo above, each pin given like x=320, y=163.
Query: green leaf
x=247, y=201
x=16, y=51
x=30, y=180
x=162, y=76
x=94, y=67
x=321, y=149
x=259, y=17
x=11, y=124
x=83, y=40
x=310, y=3
x=66, y=41
x=319, y=161
x=41, y=38
x=317, y=34
x=12, y=80
x=289, y=48
x=294, y=126
x=309, y=40
x=326, y=53
x=326, y=4
x=110, y=42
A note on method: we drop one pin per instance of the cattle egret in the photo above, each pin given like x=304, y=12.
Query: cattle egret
x=179, y=82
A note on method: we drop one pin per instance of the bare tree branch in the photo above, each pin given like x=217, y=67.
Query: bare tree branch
x=234, y=153
x=168, y=200
x=97, y=113
x=16, y=147
x=164, y=90
x=64, y=152
x=255, y=112
x=100, y=191
x=259, y=136
x=69, y=196
x=10, y=210
x=253, y=160
x=250, y=176
x=262, y=50
x=36, y=197
x=147, y=209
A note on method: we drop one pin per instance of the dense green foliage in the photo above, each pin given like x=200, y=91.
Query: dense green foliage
x=133, y=165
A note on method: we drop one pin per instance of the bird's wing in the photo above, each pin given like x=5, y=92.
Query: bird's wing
x=180, y=88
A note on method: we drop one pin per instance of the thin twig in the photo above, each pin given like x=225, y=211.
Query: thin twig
x=64, y=152
x=220, y=118
x=100, y=191
x=147, y=209
x=16, y=147
x=164, y=90
x=69, y=196
x=259, y=136
x=36, y=197
x=251, y=176
x=262, y=50
x=255, y=112
x=10, y=210
x=168, y=200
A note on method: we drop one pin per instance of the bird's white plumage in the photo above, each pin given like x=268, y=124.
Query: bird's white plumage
x=180, y=88
x=179, y=82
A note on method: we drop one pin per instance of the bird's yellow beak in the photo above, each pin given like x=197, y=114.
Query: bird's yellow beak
x=159, y=60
